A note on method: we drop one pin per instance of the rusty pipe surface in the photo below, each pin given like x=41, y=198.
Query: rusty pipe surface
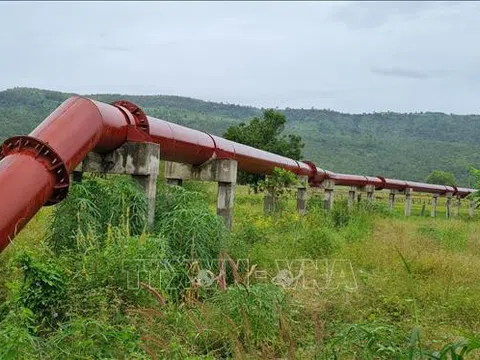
x=34, y=169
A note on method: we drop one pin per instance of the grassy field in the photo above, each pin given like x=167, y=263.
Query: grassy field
x=84, y=281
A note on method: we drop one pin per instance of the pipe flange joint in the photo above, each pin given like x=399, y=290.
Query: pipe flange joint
x=42, y=152
x=384, y=182
x=455, y=192
x=130, y=110
x=313, y=173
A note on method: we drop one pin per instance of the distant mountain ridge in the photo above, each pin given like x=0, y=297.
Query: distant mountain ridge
x=406, y=146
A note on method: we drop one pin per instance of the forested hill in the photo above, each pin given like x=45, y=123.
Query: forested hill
x=407, y=146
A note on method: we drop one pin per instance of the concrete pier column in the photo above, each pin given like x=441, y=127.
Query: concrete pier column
x=176, y=173
x=225, y=173
x=408, y=201
x=458, y=204
x=302, y=194
x=328, y=198
x=352, y=196
x=140, y=160
x=175, y=182
x=471, y=208
x=391, y=199
x=370, y=190
x=149, y=185
x=268, y=201
x=359, y=196
x=448, y=205
x=424, y=208
x=434, y=205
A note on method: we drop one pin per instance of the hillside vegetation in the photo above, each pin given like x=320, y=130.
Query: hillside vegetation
x=406, y=146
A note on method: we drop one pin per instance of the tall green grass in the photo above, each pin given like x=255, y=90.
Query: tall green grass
x=100, y=286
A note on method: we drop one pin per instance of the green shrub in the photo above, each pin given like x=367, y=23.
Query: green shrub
x=93, y=205
x=257, y=312
x=90, y=338
x=317, y=242
x=368, y=341
x=42, y=291
x=17, y=339
x=193, y=231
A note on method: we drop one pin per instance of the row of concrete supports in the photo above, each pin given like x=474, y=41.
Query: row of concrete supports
x=408, y=201
x=141, y=161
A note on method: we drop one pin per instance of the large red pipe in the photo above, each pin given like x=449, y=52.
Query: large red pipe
x=34, y=169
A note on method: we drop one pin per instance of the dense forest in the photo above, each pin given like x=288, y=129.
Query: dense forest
x=407, y=146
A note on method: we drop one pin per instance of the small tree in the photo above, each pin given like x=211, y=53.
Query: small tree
x=265, y=134
x=441, y=178
x=475, y=181
x=278, y=184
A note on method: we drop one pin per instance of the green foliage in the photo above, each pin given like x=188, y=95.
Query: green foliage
x=16, y=335
x=369, y=144
x=257, y=311
x=475, y=181
x=279, y=185
x=441, y=178
x=265, y=134
x=367, y=341
x=43, y=291
x=90, y=338
x=458, y=350
x=93, y=205
x=194, y=233
x=381, y=341
x=185, y=220
x=451, y=238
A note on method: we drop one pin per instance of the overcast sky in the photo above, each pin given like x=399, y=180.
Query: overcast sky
x=354, y=57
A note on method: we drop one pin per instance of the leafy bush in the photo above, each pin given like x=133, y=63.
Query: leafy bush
x=261, y=314
x=17, y=339
x=93, y=205
x=193, y=231
x=90, y=338
x=42, y=291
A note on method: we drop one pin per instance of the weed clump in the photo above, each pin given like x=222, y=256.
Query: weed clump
x=95, y=204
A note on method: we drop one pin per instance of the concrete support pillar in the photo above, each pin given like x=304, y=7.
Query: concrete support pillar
x=408, y=201
x=352, y=196
x=302, y=194
x=458, y=203
x=176, y=173
x=223, y=171
x=140, y=160
x=391, y=199
x=268, y=203
x=434, y=205
x=424, y=208
x=471, y=208
x=448, y=205
x=149, y=185
x=175, y=182
x=370, y=190
x=225, y=196
x=328, y=199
